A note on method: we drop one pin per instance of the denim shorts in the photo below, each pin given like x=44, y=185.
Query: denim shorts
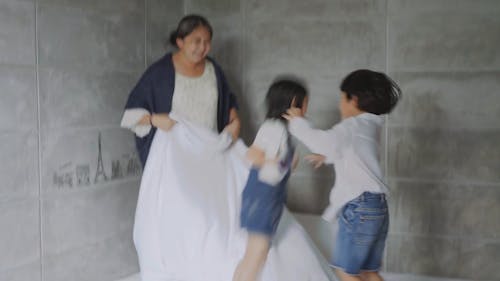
x=262, y=204
x=363, y=226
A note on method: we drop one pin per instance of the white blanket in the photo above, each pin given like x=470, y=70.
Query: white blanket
x=187, y=218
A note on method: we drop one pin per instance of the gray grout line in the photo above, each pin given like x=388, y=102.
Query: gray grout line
x=386, y=150
x=39, y=141
x=386, y=142
x=492, y=184
x=146, y=21
x=468, y=237
x=243, y=11
x=451, y=71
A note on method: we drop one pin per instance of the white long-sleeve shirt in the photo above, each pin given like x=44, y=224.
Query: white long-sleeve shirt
x=353, y=147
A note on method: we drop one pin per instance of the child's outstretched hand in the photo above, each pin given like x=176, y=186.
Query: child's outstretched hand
x=317, y=160
x=293, y=111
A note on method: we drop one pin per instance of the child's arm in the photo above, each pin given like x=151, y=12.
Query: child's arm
x=321, y=142
x=317, y=160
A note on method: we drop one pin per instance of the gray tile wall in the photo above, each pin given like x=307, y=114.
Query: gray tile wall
x=443, y=139
x=89, y=56
x=19, y=173
x=66, y=68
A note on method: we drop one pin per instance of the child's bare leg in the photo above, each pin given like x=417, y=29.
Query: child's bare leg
x=371, y=276
x=347, y=277
x=255, y=256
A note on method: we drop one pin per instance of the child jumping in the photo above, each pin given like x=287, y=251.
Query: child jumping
x=358, y=197
x=273, y=157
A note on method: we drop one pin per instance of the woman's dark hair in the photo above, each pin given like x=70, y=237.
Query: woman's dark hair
x=281, y=94
x=187, y=25
x=375, y=91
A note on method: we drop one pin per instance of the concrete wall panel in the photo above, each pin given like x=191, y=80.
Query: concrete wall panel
x=91, y=39
x=476, y=259
x=111, y=258
x=17, y=99
x=162, y=18
x=19, y=173
x=70, y=98
x=226, y=44
x=317, y=46
x=98, y=5
x=30, y=271
x=19, y=238
x=84, y=218
x=453, y=155
x=443, y=35
x=445, y=209
x=17, y=36
x=213, y=9
x=425, y=255
x=293, y=10
x=453, y=257
x=467, y=100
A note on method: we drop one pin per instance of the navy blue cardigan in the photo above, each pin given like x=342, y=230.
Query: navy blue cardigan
x=155, y=90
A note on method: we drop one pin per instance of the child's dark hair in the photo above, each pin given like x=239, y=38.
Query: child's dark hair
x=281, y=94
x=375, y=91
x=187, y=25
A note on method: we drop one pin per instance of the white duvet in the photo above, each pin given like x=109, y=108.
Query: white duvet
x=187, y=218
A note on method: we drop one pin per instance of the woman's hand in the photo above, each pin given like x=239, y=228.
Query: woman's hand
x=145, y=120
x=233, y=128
x=162, y=121
x=317, y=160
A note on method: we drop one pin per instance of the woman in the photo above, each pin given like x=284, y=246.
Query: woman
x=186, y=225
x=171, y=85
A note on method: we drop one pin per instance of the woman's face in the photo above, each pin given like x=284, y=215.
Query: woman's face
x=196, y=45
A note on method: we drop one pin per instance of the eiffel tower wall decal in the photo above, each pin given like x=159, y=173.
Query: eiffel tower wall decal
x=100, y=172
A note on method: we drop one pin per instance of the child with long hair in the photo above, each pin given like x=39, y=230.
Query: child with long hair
x=273, y=156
